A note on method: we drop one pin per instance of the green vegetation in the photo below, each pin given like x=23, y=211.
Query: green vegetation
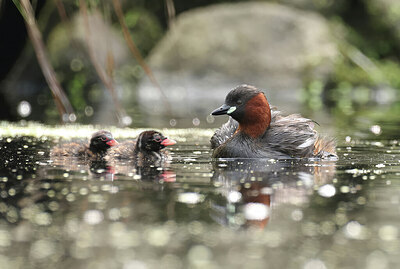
x=368, y=39
x=369, y=62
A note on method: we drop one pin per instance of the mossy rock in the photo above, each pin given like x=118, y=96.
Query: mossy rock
x=209, y=50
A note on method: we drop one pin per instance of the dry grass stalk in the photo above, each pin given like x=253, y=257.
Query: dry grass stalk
x=63, y=105
x=170, y=7
x=136, y=53
x=61, y=10
x=104, y=76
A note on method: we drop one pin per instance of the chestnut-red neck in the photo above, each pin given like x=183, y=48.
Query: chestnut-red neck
x=257, y=116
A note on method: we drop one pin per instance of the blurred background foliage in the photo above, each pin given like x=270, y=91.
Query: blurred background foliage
x=366, y=72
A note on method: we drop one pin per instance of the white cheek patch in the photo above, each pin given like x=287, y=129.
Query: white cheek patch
x=231, y=110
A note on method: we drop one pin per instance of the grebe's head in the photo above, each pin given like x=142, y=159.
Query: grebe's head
x=101, y=141
x=152, y=141
x=249, y=107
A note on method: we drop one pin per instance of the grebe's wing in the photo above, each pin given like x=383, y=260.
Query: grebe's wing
x=224, y=133
x=292, y=134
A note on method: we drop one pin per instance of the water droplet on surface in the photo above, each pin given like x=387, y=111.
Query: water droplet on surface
x=344, y=189
x=377, y=260
x=361, y=200
x=234, y=196
x=354, y=230
x=43, y=219
x=5, y=238
x=199, y=255
x=158, y=237
x=70, y=197
x=134, y=264
x=297, y=215
x=388, y=233
x=327, y=190
x=83, y=191
x=376, y=129
x=42, y=249
x=377, y=144
x=114, y=214
x=11, y=192
x=54, y=206
x=190, y=198
x=93, y=217
x=256, y=211
x=314, y=264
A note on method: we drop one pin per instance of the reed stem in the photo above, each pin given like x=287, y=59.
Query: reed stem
x=60, y=98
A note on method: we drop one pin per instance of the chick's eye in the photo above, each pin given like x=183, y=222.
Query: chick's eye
x=239, y=102
x=157, y=139
x=103, y=138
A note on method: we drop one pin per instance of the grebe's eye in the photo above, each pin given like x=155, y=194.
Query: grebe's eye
x=239, y=102
x=157, y=139
x=103, y=138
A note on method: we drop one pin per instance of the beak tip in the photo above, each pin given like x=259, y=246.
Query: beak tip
x=215, y=112
x=221, y=110
x=112, y=142
x=168, y=142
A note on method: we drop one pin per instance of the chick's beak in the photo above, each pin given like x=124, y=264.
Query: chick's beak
x=112, y=142
x=222, y=110
x=168, y=142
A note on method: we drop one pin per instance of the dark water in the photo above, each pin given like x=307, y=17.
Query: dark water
x=199, y=213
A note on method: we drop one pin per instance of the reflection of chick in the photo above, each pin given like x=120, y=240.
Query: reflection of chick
x=146, y=149
x=100, y=142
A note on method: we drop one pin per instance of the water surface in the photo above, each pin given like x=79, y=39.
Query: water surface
x=195, y=212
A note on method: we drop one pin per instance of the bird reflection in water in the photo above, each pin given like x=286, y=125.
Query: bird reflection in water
x=101, y=168
x=255, y=188
x=111, y=170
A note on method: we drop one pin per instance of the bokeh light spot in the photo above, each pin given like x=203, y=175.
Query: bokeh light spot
x=24, y=109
